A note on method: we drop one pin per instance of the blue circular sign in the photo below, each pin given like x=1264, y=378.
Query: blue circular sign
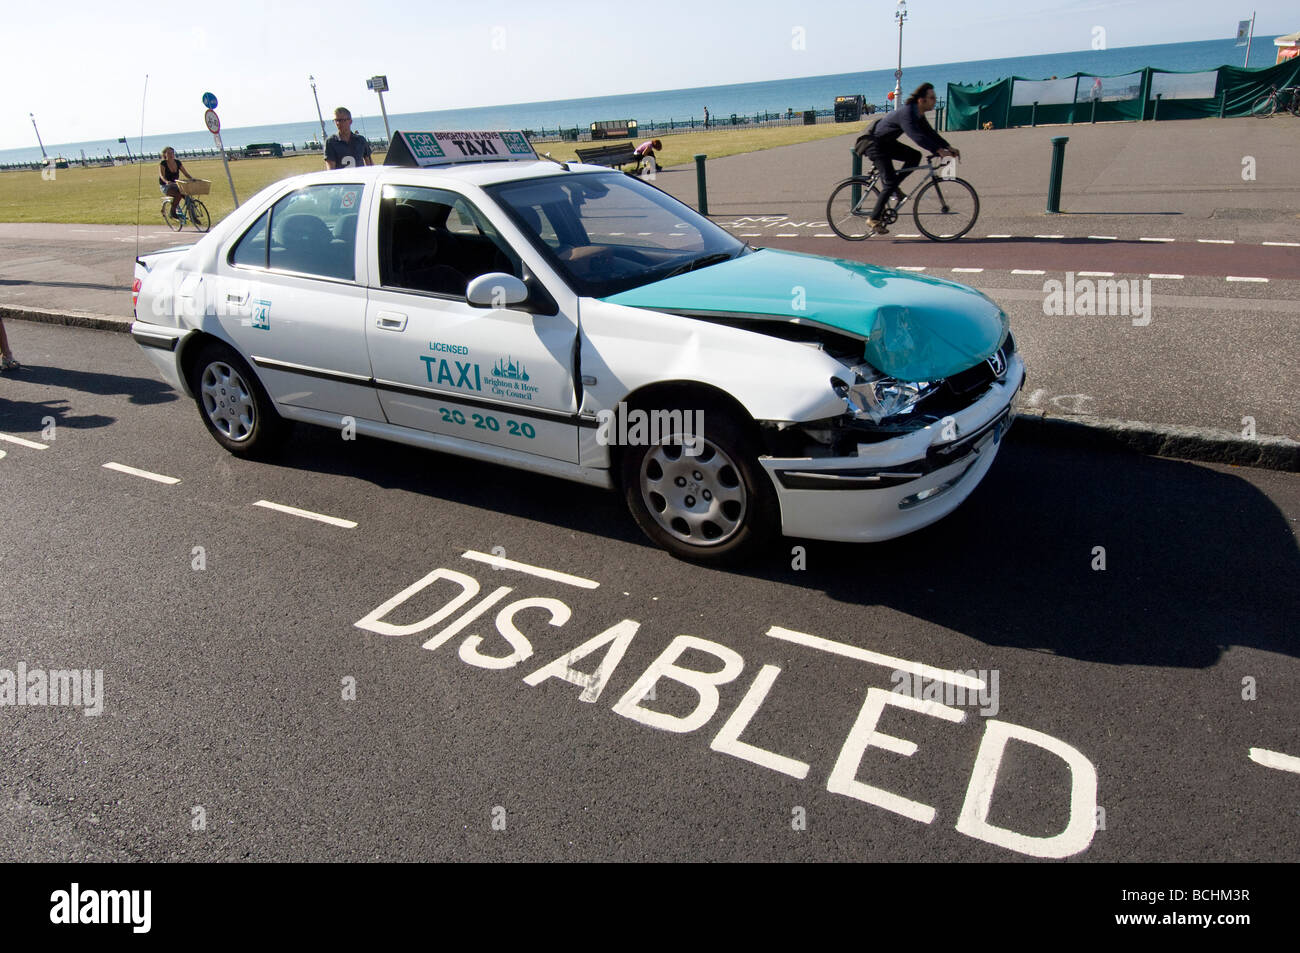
x=209, y=101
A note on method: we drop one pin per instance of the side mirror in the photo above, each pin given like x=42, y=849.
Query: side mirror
x=496, y=289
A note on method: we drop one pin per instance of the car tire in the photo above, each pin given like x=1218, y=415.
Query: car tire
x=717, y=506
x=234, y=405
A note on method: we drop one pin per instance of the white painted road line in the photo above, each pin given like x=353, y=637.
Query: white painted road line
x=1284, y=244
x=1105, y=238
x=997, y=236
x=1171, y=277
x=1155, y=239
x=552, y=574
x=1240, y=278
x=156, y=477
x=911, y=267
x=1274, y=759
x=824, y=235
x=1217, y=241
x=1027, y=271
x=787, y=234
x=1096, y=274
x=24, y=442
x=1049, y=236
x=973, y=271
x=747, y=234
x=306, y=514
x=876, y=658
x=907, y=235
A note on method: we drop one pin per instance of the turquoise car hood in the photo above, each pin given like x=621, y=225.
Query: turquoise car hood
x=915, y=328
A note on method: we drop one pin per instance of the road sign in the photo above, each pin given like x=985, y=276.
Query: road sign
x=378, y=83
x=212, y=122
x=209, y=101
x=898, y=74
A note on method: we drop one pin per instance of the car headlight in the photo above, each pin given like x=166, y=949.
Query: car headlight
x=877, y=397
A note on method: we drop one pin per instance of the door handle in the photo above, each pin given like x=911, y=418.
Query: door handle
x=390, y=321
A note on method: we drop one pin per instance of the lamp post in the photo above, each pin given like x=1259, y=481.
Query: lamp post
x=38, y=136
x=323, y=137
x=900, y=15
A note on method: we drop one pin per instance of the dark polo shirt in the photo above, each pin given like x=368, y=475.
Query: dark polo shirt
x=344, y=154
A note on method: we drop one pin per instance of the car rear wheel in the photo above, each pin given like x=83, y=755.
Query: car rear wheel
x=714, y=505
x=233, y=403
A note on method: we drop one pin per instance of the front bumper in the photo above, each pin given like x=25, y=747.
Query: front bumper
x=892, y=488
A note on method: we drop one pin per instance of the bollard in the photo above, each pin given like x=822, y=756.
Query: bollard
x=979, y=116
x=1058, y=167
x=1094, y=112
x=1155, y=113
x=1033, y=115
x=700, y=184
x=856, y=170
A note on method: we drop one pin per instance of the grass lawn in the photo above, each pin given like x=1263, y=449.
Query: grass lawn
x=111, y=196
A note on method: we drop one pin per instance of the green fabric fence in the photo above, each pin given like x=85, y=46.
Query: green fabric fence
x=1144, y=94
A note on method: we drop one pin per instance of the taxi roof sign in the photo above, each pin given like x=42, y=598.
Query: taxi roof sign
x=443, y=148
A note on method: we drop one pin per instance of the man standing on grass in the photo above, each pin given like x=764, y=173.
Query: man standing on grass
x=346, y=148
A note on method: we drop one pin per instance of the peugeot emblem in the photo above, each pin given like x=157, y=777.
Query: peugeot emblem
x=997, y=363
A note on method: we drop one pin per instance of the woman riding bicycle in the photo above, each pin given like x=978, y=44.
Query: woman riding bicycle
x=170, y=169
x=880, y=144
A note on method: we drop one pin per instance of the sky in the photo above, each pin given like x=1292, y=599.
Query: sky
x=82, y=71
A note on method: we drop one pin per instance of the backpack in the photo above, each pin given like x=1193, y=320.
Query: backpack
x=863, y=142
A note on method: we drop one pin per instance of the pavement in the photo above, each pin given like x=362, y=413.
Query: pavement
x=1203, y=215
x=1130, y=613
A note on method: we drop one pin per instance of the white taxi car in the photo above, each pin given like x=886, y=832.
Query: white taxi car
x=574, y=321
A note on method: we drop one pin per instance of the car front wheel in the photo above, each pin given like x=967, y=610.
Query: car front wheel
x=701, y=496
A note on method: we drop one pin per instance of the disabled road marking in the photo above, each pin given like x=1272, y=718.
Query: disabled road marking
x=146, y=474
x=306, y=514
x=1275, y=759
x=876, y=658
x=23, y=442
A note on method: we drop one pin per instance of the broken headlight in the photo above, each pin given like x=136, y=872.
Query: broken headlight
x=876, y=397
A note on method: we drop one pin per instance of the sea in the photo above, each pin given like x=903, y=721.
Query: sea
x=684, y=105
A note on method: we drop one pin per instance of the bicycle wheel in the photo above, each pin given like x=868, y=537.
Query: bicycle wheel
x=1263, y=106
x=198, y=215
x=945, y=209
x=847, y=218
x=175, y=224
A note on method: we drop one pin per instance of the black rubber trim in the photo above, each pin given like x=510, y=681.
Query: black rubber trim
x=162, y=342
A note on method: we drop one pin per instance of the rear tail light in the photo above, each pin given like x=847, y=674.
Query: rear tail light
x=135, y=296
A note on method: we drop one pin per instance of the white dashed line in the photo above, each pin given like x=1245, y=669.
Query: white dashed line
x=907, y=235
x=1240, y=278
x=973, y=271
x=1155, y=239
x=1027, y=271
x=23, y=442
x=1171, y=277
x=618, y=233
x=156, y=477
x=554, y=575
x=824, y=235
x=1049, y=236
x=1216, y=241
x=1274, y=759
x=676, y=234
x=875, y=658
x=306, y=514
x=911, y=267
x=645, y=233
x=1096, y=274
x=787, y=234
x=1105, y=238
x=997, y=236
x=751, y=234
x=1284, y=244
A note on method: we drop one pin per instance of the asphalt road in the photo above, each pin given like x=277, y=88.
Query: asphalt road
x=223, y=686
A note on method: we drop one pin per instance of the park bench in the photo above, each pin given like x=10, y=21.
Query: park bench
x=613, y=156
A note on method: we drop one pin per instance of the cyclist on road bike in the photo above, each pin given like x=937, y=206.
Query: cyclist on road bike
x=880, y=144
x=170, y=169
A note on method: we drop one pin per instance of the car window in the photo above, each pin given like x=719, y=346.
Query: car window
x=436, y=241
x=251, y=248
x=314, y=231
x=607, y=232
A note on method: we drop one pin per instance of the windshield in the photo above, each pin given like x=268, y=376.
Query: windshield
x=607, y=232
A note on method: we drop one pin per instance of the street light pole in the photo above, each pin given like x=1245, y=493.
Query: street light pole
x=323, y=137
x=900, y=15
x=38, y=136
